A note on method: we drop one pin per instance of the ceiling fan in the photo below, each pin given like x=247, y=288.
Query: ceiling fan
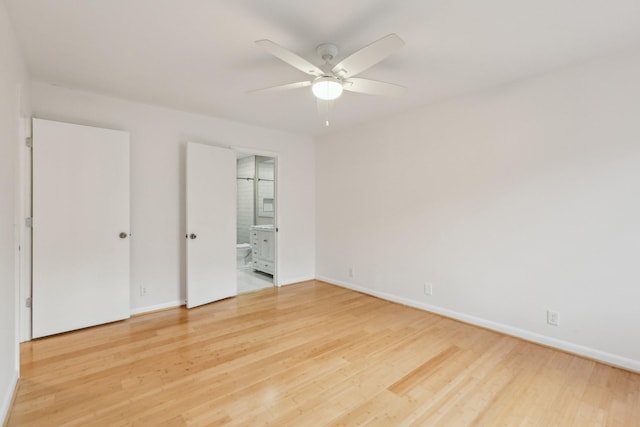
x=328, y=80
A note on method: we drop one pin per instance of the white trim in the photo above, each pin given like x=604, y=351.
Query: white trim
x=591, y=353
x=24, y=192
x=295, y=280
x=156, y=307
x=8, y=399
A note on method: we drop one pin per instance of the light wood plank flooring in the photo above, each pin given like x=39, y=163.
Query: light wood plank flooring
x=311, y=354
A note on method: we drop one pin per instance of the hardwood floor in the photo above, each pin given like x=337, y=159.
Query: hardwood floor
x=311, y=354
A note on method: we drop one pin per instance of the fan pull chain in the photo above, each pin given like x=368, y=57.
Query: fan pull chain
x=324, y=110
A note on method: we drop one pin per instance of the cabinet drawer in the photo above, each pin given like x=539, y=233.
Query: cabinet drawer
x=266, y=266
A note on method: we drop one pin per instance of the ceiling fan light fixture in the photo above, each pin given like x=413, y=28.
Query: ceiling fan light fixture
x=327, y=88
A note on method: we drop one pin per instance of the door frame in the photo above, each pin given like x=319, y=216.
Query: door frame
x=23, y=211
x=276, y=195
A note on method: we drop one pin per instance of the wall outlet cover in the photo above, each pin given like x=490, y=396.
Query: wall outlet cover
x=553, y=318
x=428, y=288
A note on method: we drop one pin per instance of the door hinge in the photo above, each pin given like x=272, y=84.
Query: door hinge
x=28, y=221
x=29, y=142
x=28, y=302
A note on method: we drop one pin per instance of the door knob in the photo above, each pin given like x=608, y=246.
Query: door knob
x=123, y=235
x=192, y=236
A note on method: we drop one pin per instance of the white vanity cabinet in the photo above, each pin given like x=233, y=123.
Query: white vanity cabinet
x=263, y=247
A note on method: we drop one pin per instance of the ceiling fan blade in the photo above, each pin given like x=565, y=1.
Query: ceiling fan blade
x=289, y=57
x=368, y=56
x=280, y=88
x=372, y=87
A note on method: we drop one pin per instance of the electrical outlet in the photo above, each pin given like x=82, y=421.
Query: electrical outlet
x=143, y=291
x=553, y=318
x=428, y=288
x=350, y=271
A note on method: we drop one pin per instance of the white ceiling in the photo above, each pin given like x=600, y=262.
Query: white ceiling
x=199, y=55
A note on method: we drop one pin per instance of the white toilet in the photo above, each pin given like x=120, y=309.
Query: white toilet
x=243, y=255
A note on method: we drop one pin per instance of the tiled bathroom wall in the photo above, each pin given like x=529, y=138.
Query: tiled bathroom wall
x=246, y=214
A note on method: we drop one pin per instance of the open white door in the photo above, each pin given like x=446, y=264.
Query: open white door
x=211, y=224
x=80, y=226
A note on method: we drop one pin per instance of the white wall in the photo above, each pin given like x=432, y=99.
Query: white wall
x=13, y=108
x=158, y=137
x=511, y=201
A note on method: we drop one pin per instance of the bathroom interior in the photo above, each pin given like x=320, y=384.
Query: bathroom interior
x=255, y=241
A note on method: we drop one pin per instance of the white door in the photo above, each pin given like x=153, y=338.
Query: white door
x=211, y=224
x=80, y=226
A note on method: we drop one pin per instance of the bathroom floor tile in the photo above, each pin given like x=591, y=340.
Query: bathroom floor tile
x=249, y=280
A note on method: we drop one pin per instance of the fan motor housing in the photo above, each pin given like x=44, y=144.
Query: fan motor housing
x=327, y=51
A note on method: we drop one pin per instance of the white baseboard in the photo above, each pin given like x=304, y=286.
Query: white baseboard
x=8, y=398
x=291, y=281
x=178, y=303
x=591, y=353
x=170, y=304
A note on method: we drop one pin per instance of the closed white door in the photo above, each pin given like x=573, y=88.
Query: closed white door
x=211, y=224
x=80, y=227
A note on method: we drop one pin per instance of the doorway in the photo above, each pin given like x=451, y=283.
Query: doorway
x=256, y=222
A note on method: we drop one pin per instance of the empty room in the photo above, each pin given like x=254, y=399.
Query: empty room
x=283, y=213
